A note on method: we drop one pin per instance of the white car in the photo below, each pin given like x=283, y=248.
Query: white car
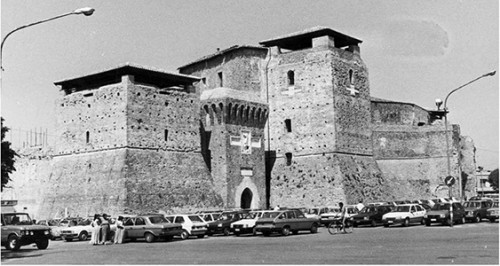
x=405, y=215
x=334, y=212
x=247, y=223
x=315, y=212
x=192, y=224
x=82, y=231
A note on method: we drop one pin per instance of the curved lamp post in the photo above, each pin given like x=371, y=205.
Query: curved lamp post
x=438, y=103
x=87, y=11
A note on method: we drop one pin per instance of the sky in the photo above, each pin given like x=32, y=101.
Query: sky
x=415, y=50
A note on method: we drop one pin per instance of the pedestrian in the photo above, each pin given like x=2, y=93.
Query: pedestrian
x=360, y=205
x=96, y=230
x=343, y=215
x=120, y=230
x=277, y=208
x=105, y=229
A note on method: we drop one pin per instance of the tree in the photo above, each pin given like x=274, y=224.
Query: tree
x=7, y=158
x=493, y=179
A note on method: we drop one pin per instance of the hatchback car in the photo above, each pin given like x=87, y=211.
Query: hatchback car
x=81, y=231
x=192, y=224
x=492, y=213
x=18, y=230
x=247, y=223
x=332, y=213
x=476, y=210
x=371, y=215
x=405, y=215
x=223, y=223
x=286, y=222
x=440, y=213
x=150, y=227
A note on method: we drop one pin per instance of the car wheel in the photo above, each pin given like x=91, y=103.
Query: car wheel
x=149, y=237
x=477, y=219
x=83, y=236
x=314, y=228
x=42, y=243
x=201, y=236
x=184, y=235
x=13, y=243
x=285, y=231
x=406, y=222
x=226, y=231
x=422, y=222
x=373, y=224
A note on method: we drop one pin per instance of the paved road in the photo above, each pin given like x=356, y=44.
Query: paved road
x=462, y=244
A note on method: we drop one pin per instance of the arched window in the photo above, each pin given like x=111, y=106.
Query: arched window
x=291, y=78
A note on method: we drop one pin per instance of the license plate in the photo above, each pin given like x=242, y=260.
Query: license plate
x=390, y=222
x=236, y=229
x=433, y=220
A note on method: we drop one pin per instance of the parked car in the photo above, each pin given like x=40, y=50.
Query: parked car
x=192, y=224
x=476, y=210
x=223, y=223
x=247, y=223
x=332, y=213
x=405, y=215
x=18, y=230
x=315, y=212
x=62, y=224
x=286, y=222
x=440, y=213
x=150, y=227
x=210, y=216
x=371, y=215
x=52, y=224
x=492, y=213
x=81, y=231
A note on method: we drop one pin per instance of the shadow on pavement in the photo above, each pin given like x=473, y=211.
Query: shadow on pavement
x=22, y=253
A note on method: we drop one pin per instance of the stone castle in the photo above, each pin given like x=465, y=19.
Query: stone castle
x=290, y=122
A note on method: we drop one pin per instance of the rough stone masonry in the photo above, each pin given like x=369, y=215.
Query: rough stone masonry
x=290, y=122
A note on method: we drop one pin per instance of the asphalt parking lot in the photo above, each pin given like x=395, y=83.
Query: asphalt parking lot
x=463, y=244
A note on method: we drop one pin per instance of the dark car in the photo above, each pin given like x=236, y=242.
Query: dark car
x=18, y=230
x=371, y=215
x=151, y=227
x=476, y=210
x=223, y=224
x=440, y=213
x=493, y=212
x=286, y=221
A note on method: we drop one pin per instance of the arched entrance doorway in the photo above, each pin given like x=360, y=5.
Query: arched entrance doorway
x=246, y=199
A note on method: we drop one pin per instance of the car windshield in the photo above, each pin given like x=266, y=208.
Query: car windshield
x=226, y=216
x=352, y=210
x=195, y=218
x=17, y=219
x=333, y=210
x=368, y=209
x=313, y=211
x=437, y=207
x=84, y=222
x=402, y=209
x=158, y=220
x=475, y=204
x=53, y=223
x=270, y=214
x=250, y=215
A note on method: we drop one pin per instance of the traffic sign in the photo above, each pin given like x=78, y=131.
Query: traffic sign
x=449, y=180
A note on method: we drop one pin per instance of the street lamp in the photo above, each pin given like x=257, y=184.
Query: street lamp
x=87, y=11
x=438, y=103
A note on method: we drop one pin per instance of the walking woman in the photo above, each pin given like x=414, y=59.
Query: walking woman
x=96, y=230
x=120, y=231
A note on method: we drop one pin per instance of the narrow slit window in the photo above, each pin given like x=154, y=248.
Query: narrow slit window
x=288, y=125
x=165, y=135
x=291, y=78
x=351, y=77
x=87, y=137
x=221, y=80
x=288, y=158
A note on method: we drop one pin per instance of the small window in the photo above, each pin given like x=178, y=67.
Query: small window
x=291, y=78
x=166, y=135
x=288, y=158
x=221, y=81
x=288, y=125
x=88, y=94
x=140, y=221
x=179, y=220
x=87, y=137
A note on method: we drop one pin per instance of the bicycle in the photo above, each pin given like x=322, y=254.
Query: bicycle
x=336, y=226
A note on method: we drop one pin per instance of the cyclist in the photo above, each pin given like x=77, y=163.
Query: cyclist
x=343, y=215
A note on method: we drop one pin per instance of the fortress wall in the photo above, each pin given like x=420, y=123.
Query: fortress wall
x=85, y=184
x=100, y=112
x=170, y=181
x=325, y=180
x=151, y=112
x=394, y=113
x=240, y=68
